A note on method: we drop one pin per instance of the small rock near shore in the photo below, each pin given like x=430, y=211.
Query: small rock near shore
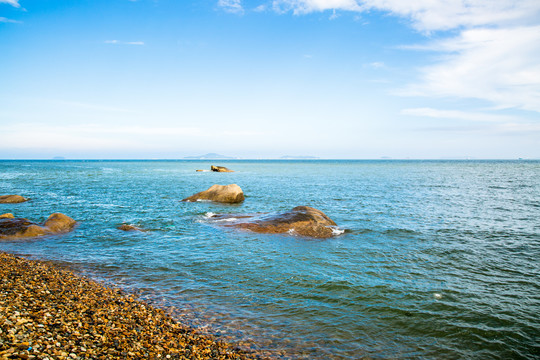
x=220, y=169
x=219, y=193
x=127, y=227
x=7, y=216
x=18, y=228
x=12, y=199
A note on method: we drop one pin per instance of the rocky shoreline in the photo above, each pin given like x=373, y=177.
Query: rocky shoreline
x=47, y=312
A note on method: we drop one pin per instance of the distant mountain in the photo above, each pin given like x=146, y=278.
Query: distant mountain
x=210, y=156
x=290, y=157
x=59, y=158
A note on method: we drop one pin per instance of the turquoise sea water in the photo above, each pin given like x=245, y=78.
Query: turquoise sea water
x=440, y=259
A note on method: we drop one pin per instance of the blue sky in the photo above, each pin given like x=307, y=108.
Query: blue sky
x=261, y=79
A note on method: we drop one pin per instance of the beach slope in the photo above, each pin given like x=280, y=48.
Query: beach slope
x=48, y=312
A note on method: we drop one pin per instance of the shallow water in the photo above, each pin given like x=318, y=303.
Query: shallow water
x=440, y=259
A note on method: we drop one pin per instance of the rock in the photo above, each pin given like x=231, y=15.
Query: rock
x=220, y=169
x=220, y=193
x=7, y=216
x=126, y=227
x=302, y=220
x=17, y=228
x=58, y=222
x=12, y=199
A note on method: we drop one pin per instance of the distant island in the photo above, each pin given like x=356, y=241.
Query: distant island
x=210, y=156
x=59, y=158
x=290, y=157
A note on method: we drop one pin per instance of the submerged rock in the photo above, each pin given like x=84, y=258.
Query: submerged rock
x=220, y=193
x=127, y=227
x=220, y=169
x=12, y=199
x=301, y=220
x=18, y=228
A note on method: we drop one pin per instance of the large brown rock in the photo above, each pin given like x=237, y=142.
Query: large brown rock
x=220, y=169
x=220, y=193
x=58, y=222
x=12, y=199
x=302, y=220
x=17, y=228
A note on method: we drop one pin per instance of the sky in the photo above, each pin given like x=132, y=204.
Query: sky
x=336, y=79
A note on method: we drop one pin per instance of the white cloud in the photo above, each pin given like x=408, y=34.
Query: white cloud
x=260, y=8
x=492, y=123
x=376, y=65
x=307, y=6
x=231, y=6
x=518, y=128
x=86, y=106
x=493, y=57
x=91, y=136
x=457, y=115
x=497, y=65
x=117, y=42
x=475, y=122
x=6, y=20
x=430, y=15
x=14, y=3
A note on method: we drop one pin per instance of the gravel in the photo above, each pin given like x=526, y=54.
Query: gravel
x=47, y=312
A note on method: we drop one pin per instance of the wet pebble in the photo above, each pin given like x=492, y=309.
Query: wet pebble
x=47, y=312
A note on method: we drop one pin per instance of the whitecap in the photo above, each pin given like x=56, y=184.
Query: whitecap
x=336, y=231
x=227, y=219
x=209, y=214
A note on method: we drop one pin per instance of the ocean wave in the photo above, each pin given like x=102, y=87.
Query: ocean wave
x=226, y=220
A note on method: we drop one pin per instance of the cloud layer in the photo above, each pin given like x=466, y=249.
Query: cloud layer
x=14, y=3
x=117, y=42
x=491, y=54
x=6, y=20
x=430, y=15
x=498, y=65
x=232, y=6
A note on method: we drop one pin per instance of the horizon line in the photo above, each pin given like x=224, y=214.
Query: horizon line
x=277, y=159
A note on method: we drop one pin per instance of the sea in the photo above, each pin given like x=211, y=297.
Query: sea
x=432, y=260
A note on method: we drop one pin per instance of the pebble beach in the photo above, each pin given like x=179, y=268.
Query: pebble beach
x=47, y=312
